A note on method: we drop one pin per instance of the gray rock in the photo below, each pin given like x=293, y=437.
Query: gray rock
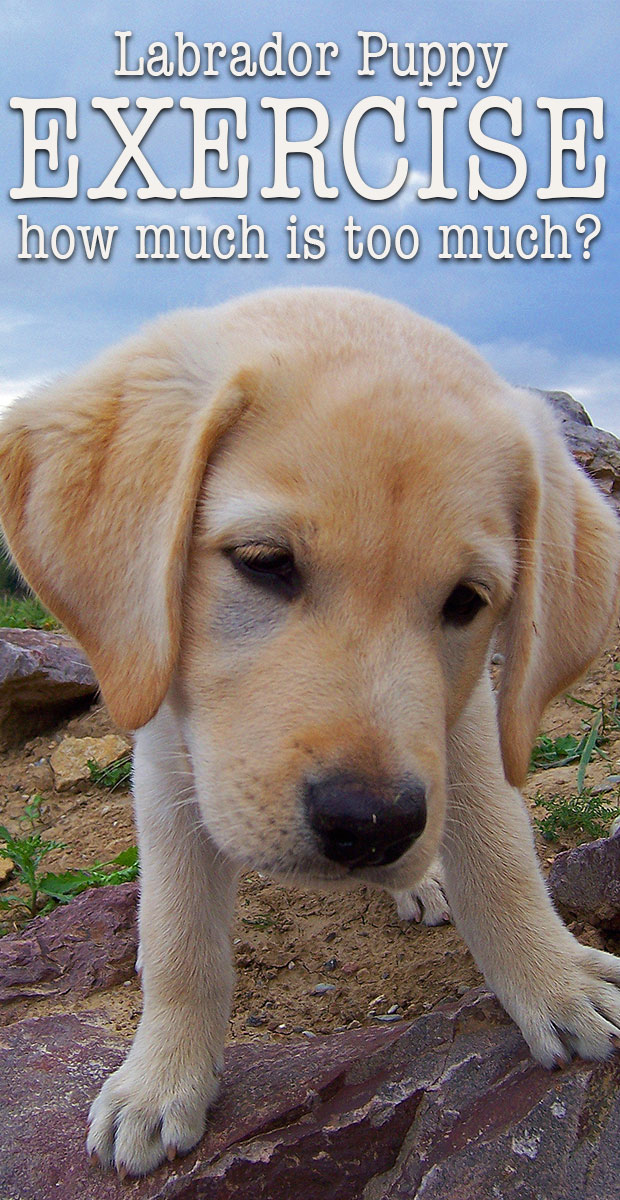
x=81, y=947
x=43, y=678
x=597, y=452
x=585, y=882
x=450, y=1107
x=570, y=411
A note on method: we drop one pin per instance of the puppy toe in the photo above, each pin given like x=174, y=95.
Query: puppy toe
x=408, y=906
x=426, y=902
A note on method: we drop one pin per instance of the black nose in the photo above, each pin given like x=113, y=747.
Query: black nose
x=360, y=825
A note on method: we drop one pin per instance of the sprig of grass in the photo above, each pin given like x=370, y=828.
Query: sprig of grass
x=26, y=853
x=562, y=751
x=554, y=752
x=25, y=612
x=122, y=869
x=112, y=776
x=586, y=813
x=32, y=811
x=587, y=751
x=46, y=889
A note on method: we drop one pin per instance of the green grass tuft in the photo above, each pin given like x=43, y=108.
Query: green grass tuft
x=114, y=775
x=587, y=814
x=46, y=889
x=25, y=612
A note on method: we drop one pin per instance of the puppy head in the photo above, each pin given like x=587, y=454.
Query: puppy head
x=305, y=514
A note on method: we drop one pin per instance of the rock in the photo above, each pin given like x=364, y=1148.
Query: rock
x=40, y=776
x=43, y=678
x=7, y=866
x=70, y=761
x=585, y=882
x=84, y=946
x=450, y=1107
x=598, y=452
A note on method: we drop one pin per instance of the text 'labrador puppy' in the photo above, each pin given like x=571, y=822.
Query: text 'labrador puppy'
x=288, y=532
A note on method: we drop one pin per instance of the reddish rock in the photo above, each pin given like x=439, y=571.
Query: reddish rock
x=43, y=677
x=450, y=1107
x=585, y=882
x=80, y=947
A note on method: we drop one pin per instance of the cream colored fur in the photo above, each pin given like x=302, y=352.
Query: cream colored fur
x=395, y=465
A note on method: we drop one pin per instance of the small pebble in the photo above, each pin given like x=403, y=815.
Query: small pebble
x=386, y=1017
x=308, y=1033
x=393, y=1009
x=608, y=785
x=291, y=965
x=331, y=964
x=330, y=937
x=321, y=988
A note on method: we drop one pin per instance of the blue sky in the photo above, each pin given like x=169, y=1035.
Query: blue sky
x=542, y=323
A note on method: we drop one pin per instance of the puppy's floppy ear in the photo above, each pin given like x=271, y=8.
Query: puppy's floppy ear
x=99, y=479
x=566, y=594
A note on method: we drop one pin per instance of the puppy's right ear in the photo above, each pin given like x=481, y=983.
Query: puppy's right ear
x=99, y=479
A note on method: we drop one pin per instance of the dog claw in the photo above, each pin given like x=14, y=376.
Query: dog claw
x=122, y=1171
x=171, y=1153
x=93, y=1158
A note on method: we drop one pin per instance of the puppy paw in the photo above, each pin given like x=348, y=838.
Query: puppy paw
x=579, y=1013
x=143, y=1116
x=426, y=902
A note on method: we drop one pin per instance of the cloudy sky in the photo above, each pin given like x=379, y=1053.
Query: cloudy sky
x=548, y=323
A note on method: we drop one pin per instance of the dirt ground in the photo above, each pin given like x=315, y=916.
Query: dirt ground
x=367, y=965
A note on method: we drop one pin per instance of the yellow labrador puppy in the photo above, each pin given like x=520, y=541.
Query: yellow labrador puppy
x=288, y=532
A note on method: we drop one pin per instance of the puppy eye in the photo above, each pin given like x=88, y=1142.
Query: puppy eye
x=271, y=567
x=462, y=605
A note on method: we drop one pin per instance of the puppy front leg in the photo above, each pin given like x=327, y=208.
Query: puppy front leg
x=564, y=996
x=155, y=1105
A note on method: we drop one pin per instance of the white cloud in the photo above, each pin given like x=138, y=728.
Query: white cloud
x=409, y=194
x=10, y=320
x=592, y=379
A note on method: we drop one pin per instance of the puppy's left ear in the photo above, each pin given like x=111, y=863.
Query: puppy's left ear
x=566, y=595
x=99, y=477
